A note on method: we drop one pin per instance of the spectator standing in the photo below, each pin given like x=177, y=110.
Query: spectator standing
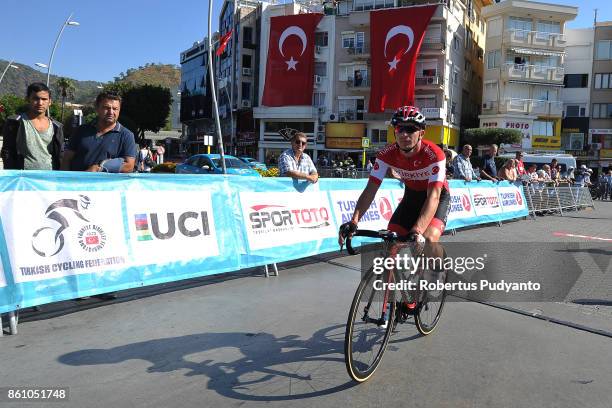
x=370, y=164
x=160, y=153
x=489, y=170
x=462, y=167
x=93, y=144
x=554, y=171
x=508, y=171
x=32, y=141
x=145, y=161
x=449, y=163
x=297, y=164
x=608, y=185
x=520, y=166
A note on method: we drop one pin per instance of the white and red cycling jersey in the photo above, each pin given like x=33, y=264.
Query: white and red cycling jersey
x=425, y=169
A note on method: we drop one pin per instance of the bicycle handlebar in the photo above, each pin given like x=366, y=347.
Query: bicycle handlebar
x=382, y=234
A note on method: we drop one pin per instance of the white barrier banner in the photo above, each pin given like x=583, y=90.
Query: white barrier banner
x=2, y=278
x=486, y=201
x=461, y=205
x=378, y=215
x=171, y=226
x=53, y=234
x=511, y=198
x=276, y=219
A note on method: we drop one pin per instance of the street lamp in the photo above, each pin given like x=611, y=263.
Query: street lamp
x=68, y=22
x=10, y=65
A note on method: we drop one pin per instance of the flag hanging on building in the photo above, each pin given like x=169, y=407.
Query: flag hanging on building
x=223, y=42
x=290, y=65
x=396, y=36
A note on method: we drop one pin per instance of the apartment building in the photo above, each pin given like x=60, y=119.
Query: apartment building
x=195, y=98
x=236, y=74
x=309, y=118
x=524, y=70
x=576, y=93
x=600, y=130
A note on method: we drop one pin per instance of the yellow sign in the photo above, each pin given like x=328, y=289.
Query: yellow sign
x=605, y=153
x=365, y=142
x=350, y=130
x=546, y=141
x=342, y=143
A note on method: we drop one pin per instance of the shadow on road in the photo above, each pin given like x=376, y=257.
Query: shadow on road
x=267, y=368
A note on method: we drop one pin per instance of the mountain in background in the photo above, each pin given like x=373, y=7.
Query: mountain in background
x=16, y=81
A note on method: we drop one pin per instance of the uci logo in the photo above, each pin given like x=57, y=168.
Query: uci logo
x=189, y=224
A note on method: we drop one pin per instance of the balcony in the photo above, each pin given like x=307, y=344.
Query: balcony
x=433, y=113
x=430, y=45
x=350, y=114
x=536, y=39
x=530, y=106
x=539, y=73
x=360, y=51
x=429, y=82
x=358, y=84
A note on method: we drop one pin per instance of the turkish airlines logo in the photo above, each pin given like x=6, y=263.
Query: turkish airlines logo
x=465, y=200
x=298, y=32
x=384, y=207
x=395, y=31
x=519, y=198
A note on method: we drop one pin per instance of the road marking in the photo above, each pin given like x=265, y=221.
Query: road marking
x=565, y=234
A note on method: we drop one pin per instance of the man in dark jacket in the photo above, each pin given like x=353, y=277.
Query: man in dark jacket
x=33, y=141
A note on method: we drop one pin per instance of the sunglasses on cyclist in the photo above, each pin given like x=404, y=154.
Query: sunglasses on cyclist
x=407, y=129
x=299, y=142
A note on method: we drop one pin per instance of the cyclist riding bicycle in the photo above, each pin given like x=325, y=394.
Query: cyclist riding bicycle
x=421, y=165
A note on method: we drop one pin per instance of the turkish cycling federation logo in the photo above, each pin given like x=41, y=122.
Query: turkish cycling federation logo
x=62, y=215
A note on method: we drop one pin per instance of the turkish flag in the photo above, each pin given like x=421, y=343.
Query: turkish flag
x=223, y=43
x=290, y=66
x=396, y=36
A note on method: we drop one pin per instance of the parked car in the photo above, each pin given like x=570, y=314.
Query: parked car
x=211, y=164
x=253, y=163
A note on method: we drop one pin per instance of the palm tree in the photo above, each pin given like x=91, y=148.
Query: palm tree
x=66, y=88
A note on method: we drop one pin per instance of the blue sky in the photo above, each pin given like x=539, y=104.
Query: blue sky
x=115, y=35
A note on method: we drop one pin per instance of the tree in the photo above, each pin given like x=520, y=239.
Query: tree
x=11, y=105
x=148, y=107
x=65, y=87
x=487, y=136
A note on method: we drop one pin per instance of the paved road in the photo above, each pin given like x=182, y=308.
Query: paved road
x=249, y=341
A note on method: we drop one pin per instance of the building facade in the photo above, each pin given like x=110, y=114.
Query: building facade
x=195, y=98
x=600, y=127
x=576, y=93
x=524, y=70
x=237, y=79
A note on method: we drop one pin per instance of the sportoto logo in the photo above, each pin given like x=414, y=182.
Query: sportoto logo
x=486, y=201
x=275, y=218
x=49, y=240
x=519, y=198
x=384, y=207
x=465, y=200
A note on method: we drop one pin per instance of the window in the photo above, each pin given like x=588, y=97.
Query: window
x=318, y=99
x=603, y=50
x=247, y=36
x=246, y=61
x=455, y=43
x=321, y=39
x=343, y=74
x=433, y=34
x=493, y=59
x=426, y=68
x=549, y=27
x=320, y=69
x=246, y=90
x=455, y=76
x=543, y=128
x=602, y=110
x=348, y=40
x=360, y=40
x=347, y=105
x=521, y=24
x=575, y=80
x=602, y=81
x=378, y=136
x=572, y=110
x=425, y=101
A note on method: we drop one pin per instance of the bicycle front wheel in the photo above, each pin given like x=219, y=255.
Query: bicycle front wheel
x=429, y=308
x=369, y=326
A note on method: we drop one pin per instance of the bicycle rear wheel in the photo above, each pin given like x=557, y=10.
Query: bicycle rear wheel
x=429, y=308
x=368, y=328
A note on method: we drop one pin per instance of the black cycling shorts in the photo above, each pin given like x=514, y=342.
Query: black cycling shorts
x=409, y=210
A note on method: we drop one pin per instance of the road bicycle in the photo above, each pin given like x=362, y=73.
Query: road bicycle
x=375, y=313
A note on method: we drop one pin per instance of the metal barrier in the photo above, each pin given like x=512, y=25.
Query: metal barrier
x=551, y=197
x=342, y=172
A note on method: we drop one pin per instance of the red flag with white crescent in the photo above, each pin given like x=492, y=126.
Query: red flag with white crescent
x=396, y=37
x=290, y=65
x=223, y=42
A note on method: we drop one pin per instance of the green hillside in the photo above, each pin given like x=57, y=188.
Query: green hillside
x=16, y=82
x=165, y=75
